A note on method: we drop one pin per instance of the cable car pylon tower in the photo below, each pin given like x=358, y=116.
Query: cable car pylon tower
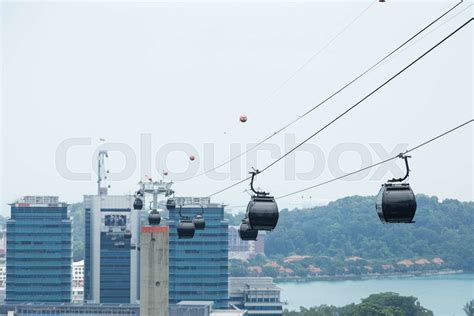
x=154, y=250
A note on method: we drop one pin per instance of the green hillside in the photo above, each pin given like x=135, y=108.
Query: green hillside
x=350, y=227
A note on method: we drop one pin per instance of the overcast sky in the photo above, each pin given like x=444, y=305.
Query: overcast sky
x=183, y=73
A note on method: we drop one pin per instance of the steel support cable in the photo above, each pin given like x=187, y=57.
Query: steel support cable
x=308, y=61
x=287, y=125
x=371, y=166
x=353, y=106
x=377, y=164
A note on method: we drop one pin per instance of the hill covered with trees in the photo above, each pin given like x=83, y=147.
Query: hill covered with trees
x=382, y=304
x=349, y=230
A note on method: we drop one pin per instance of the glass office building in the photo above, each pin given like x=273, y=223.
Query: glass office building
x=110, y=262
x=199, y=268
x=39, y=255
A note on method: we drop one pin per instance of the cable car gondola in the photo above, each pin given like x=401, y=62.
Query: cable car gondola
x=185, y=227
x=396, y=202
x=199, y=222
x=245, y=232
x=138, y=204
x=154, y=218
x=171, y=204
x=262, y=210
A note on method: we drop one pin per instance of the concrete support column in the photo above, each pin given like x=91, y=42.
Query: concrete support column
x=154, y=271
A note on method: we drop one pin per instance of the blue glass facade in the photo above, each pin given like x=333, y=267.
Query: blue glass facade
x=199, y=268
x=114, y=269
x=39, y=255
x=115, y=263
x=87, y=256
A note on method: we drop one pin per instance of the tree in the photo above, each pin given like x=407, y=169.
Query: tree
x=77, y=215
x=382, y=304
x=469, y=308
x=350, y=227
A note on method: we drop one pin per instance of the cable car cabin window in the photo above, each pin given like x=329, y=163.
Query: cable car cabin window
x=396, y=203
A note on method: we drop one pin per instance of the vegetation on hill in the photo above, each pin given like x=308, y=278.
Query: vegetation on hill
x=469, y=308
x=350, y=228
x=382, y=304
x=78, y=237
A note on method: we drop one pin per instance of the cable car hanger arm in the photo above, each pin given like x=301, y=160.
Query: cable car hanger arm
x=254, y=173
x=404, y=157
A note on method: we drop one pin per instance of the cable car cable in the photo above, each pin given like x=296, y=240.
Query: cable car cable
x=435, y=29
x=327, y=98
x=307, y=62
x=312, y=57
x=353, y=106
x=378, y=163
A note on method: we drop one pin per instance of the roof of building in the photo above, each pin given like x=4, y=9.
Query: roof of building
x=226, y=312
x=39, y=200
x=197, y=303
x=239, y=284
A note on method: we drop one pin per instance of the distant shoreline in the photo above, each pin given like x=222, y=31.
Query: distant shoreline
x=367, y=276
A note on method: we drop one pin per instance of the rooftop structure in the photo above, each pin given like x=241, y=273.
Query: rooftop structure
x=259, y=296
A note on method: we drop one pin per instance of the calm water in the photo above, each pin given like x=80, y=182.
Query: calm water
x=444, y=295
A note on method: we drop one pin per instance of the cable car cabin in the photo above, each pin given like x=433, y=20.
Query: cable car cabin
x=186, y=228
x=199, y=222
x=154, y=218
x=262, y=212
x=127, y=235
x=170, y=204
x=396, y=203
x=138, y=204
x=245, y=232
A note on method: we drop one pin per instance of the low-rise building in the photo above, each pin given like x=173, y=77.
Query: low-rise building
x=202, y=308
x=54, y=309
x=259, y=296
x=78, y=282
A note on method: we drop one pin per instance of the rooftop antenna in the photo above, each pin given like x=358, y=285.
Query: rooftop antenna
x=102, y=187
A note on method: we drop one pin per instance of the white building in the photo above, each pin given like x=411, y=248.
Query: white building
x=78, y=282
x=3, y=275
x=78, y=273
x=77, y=295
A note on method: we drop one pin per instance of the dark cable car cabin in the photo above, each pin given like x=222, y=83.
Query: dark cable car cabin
x=186, y=228
x=127, y=235
x=199, y=222
x=262, y=210
x=396, y=202
x=138, y=204
x=245, y=232
x=154, y=218
x=170, y=204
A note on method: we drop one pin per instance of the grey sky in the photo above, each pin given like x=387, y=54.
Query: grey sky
x=185, y=72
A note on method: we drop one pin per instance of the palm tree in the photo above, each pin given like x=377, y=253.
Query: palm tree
x=469, y=308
